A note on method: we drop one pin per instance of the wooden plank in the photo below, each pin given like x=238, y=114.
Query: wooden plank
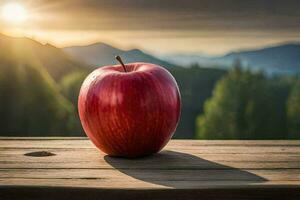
x=164, y=160
x=150, y=175
x=78, y=142
x=145, y=185
x=69, y=156
x=91, y=154
x=185, y=166
x=185, y=148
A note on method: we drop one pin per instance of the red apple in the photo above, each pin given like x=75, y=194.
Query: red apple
x=129, y=110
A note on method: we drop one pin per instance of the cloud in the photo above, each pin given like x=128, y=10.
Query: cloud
x=167, y=14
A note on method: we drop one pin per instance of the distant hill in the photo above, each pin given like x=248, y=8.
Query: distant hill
x=275, y=60
x=54, y=60
x=283, y=58
x=101, y=54
x=187, y=60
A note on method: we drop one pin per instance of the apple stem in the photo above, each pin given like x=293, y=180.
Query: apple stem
x=118, y=58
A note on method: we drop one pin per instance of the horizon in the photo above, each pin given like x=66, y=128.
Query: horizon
x=131, y=47
x=159, y=27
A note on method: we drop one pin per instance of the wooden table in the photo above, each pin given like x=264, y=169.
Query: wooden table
x=72, y=168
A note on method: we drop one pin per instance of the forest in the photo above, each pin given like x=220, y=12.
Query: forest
x=39, y=85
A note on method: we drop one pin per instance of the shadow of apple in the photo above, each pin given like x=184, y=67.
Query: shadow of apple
x=181, y=170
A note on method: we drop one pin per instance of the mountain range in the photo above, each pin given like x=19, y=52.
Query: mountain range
x=101, y=54
x=280, y=59
x=25, y=51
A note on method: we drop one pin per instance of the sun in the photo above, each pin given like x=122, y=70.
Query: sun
x=14, y=13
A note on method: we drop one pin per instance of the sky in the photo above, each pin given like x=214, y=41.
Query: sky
x=161, y=26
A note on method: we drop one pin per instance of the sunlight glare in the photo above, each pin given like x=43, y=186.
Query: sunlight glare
x=14, y=13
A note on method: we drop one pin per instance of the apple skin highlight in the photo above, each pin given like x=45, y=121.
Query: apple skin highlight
x=129, y=114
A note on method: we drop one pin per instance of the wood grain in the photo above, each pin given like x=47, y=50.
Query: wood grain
x=184, y=169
